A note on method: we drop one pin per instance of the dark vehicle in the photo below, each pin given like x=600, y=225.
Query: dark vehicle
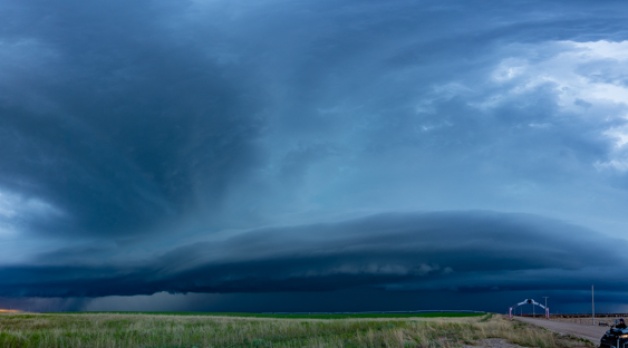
x=615, y=337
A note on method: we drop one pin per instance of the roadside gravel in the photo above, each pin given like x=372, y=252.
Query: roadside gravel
x=493, y=343
x=586, y=331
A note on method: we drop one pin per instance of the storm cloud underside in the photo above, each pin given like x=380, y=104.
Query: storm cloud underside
x=328, y=148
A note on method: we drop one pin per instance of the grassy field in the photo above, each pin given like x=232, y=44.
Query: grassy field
x=363, y=315
x=165, y=330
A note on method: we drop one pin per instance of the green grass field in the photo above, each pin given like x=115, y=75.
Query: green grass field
x=255, y=330
x=362, y=315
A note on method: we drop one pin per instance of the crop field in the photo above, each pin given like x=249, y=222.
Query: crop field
x=240, y=330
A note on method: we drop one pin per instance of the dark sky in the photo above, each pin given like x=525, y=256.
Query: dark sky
x=313, y=155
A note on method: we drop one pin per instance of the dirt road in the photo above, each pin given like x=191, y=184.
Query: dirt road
x=589, y=332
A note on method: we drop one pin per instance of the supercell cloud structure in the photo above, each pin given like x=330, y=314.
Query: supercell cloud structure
x=225, y=155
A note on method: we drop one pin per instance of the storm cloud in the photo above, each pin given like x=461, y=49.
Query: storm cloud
x=321, y=147
x=456, y=253
x=117, y=143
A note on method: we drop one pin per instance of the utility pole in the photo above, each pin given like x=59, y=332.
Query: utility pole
x=592, y=305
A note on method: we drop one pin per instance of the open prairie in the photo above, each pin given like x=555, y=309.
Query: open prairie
x=178, y=330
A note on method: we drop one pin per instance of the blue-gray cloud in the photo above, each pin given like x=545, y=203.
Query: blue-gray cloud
x=456, y=252
x=129, y=130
